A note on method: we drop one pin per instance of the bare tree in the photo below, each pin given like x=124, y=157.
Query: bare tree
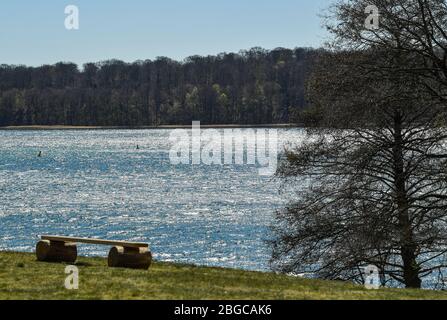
x=371, y=176
x=416, y=28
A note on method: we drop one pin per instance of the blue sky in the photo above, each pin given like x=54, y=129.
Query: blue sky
x=33, y=32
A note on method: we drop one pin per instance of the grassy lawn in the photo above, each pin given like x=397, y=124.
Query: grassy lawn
x=22, y=277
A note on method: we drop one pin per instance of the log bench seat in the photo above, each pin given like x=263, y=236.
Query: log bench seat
x=124, y=254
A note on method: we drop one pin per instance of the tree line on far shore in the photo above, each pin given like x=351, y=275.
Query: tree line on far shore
x=256, y=86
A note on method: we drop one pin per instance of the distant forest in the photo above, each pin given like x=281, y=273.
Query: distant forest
x=256, y=86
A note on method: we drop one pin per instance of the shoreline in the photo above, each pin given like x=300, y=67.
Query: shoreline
x=172, y=281
x=161, y=127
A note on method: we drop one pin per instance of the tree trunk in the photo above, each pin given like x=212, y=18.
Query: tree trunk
x=408, y=247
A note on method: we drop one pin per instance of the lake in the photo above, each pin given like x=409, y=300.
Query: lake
x=96, y=183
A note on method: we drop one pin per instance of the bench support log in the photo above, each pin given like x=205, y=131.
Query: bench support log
x=56, y=251
x=125, y=257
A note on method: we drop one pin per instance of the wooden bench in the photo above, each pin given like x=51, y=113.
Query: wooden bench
x=123, y=254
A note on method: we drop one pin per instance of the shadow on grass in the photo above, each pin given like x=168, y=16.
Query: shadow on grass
x=79, y=264
x=83, y=264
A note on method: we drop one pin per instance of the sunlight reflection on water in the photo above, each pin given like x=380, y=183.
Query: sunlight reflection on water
x=97, y=184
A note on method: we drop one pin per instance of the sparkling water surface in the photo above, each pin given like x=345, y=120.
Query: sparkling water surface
x=95, y=183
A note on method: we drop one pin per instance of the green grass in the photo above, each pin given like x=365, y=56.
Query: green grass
x=22, y=277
